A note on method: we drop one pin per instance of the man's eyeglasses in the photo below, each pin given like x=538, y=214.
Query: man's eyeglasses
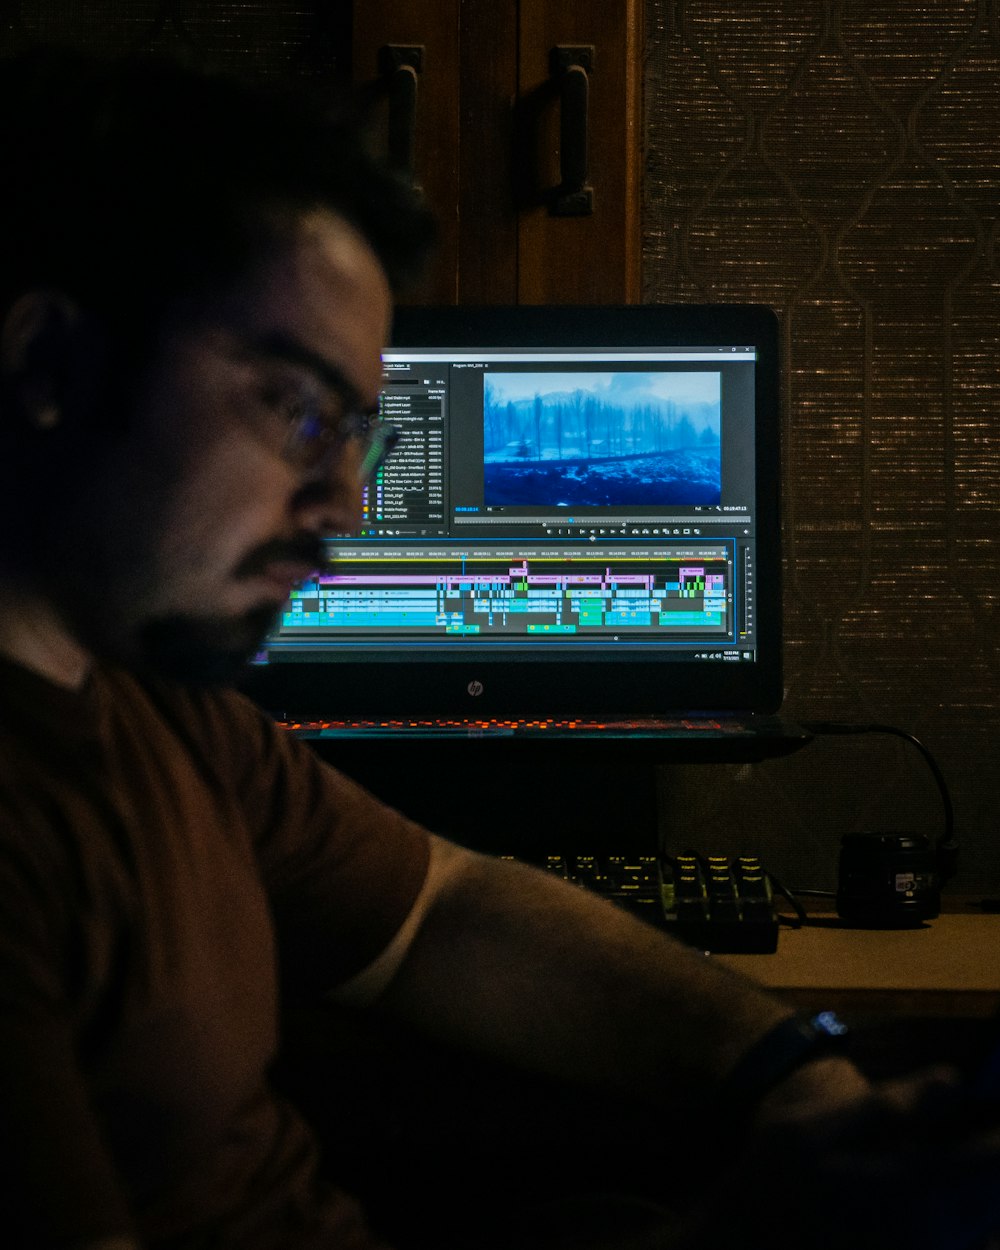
x=290, y=389
x=314, y=435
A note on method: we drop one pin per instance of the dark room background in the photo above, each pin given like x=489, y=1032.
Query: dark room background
x=839, y=161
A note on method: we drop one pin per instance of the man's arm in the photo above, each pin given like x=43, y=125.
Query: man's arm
x=518, y=965
x=512, y=963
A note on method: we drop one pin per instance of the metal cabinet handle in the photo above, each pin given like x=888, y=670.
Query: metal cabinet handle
x=570, y=68
x=400, y=66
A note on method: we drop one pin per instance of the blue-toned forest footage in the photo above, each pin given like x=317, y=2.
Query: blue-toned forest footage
x=602, y=439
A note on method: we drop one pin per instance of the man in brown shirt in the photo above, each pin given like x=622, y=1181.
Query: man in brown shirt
x=195, y=288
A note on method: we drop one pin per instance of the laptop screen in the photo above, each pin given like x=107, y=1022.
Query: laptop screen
x=580, y=517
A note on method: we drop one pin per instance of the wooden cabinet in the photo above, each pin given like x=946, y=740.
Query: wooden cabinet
x=526, y=140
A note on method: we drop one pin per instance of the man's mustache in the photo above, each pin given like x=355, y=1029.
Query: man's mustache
x=305, y=549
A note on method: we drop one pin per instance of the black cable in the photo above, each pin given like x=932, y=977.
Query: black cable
x=800, y=911
x=947, y=845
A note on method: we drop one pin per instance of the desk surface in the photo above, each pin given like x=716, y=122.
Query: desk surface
x=950, y=966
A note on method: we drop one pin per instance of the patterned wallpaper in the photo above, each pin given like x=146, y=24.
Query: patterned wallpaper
x=840, y=161
x=258, y=36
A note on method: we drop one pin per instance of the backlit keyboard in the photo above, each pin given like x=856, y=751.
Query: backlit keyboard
x=546, y=726
x=714, y=902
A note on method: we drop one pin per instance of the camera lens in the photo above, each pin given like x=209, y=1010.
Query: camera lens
x=887, y=880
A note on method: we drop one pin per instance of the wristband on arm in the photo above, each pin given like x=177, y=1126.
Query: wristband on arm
x=783, y=1049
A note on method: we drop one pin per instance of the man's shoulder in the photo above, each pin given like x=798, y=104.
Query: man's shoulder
x=147, y=695
x=217, y=728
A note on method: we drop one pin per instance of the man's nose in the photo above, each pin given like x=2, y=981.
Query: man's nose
x=330, y=500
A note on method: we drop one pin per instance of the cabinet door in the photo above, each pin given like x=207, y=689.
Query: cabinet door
x=387, y=34
x=526, y=141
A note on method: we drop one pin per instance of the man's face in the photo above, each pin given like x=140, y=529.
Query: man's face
x=204, y=512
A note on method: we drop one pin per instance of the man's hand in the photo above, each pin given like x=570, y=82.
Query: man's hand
x=911, y=1164
x=825, y=1092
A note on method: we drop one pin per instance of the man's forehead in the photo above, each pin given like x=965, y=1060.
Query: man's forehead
x=318, y=297
x=319, y=244
x=279, y=347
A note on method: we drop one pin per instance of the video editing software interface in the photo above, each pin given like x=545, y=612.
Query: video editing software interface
x=549, y=501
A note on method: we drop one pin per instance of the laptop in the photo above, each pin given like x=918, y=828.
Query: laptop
x=577, y=536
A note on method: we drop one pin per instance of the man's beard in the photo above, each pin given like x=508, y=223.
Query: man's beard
x=110, y=595
x=203, y=650
x=200, y=649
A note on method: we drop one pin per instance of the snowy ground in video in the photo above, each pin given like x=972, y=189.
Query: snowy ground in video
x=673, y=477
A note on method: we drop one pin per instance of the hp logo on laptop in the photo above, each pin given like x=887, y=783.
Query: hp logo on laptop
x=475, y=688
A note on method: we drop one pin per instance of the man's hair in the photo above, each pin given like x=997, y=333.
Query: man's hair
x=132, y=183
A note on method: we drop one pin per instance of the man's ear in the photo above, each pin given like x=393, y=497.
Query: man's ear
x=39, y=356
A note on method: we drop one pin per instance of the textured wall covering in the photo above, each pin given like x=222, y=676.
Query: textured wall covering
x=260, y=36
x=840, y=161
